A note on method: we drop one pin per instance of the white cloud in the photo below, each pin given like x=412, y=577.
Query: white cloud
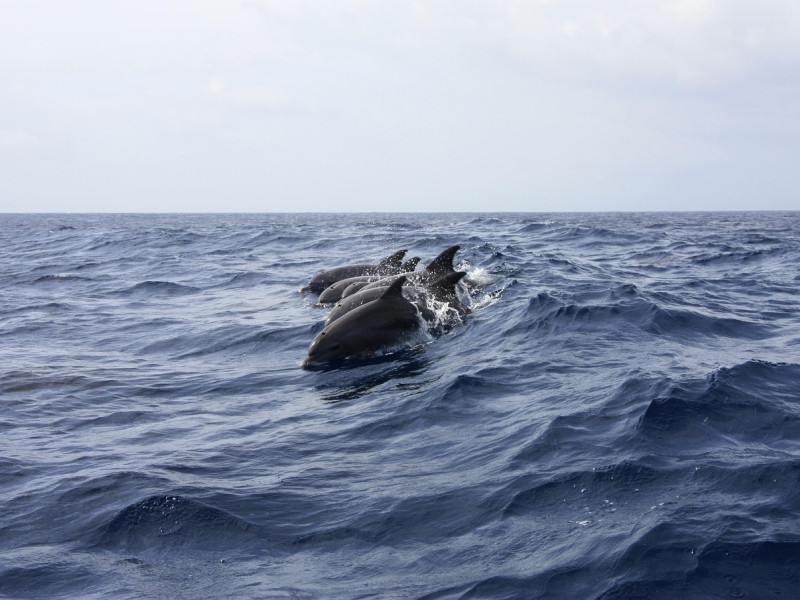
x=13, y=141
x=691, y=42
x=576, y=103
x=254, y=97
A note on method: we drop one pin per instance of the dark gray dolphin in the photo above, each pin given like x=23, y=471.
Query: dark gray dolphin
x=410, y=264
x=439, y=267
x=353, y=288
x=336, y=291
x=388, y=266
x=384, y=322
x=358, y=283
x=345, y=305
x=333, y=293
x=442, y=290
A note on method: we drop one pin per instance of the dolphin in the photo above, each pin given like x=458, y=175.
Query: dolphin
x=450, y=308
x=354, y=288
x=347, y=287
x=390, y=265
x=410, y=264
x=381, y=323
x=333, y=293
x=439, y=267
x=442, y=290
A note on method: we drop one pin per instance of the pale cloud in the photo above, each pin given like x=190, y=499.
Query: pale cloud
x=669, y=42
x=569, y=28
x=14, y=141
x=253, y=97
x=401, y=105
x=697, y=42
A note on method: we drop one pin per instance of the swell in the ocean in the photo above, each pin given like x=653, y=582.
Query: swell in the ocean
x=618, y=417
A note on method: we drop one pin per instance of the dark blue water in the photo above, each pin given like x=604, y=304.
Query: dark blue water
x=618, y=418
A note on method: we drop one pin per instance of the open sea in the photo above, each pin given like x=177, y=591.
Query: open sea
x=618, y=417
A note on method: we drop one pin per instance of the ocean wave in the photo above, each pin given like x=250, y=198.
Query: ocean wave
x=147, y=289
x=752, y=403
x=617, y=417
x=54, y=578
x=727, y=255
x=625, y=304
x=719, y=569
x=165, y=523
x=245, y=280
x=66, y=278
x=226, y=339
x=598, y=485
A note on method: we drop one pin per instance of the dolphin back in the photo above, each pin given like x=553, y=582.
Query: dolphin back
x=389, y=265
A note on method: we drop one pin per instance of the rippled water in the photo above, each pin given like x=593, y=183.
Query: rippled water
x=619, y=417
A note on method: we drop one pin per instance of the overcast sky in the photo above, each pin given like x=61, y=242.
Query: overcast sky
x=458, y=105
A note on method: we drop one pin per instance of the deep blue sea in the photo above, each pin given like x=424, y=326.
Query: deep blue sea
x=619, y=417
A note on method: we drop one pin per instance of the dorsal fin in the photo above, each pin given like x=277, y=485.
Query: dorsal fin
x=448, y=282
x=396, y=289
x=443, y=263
x=410, y=264
x=393, y=261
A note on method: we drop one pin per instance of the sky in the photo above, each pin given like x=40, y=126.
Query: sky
x=399, y=106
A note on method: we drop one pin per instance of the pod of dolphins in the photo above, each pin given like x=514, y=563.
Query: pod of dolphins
x=382, y=306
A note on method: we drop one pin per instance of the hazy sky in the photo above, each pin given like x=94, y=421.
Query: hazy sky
x=462, y=105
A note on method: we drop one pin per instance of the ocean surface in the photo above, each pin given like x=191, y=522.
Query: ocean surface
x=619, y=417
